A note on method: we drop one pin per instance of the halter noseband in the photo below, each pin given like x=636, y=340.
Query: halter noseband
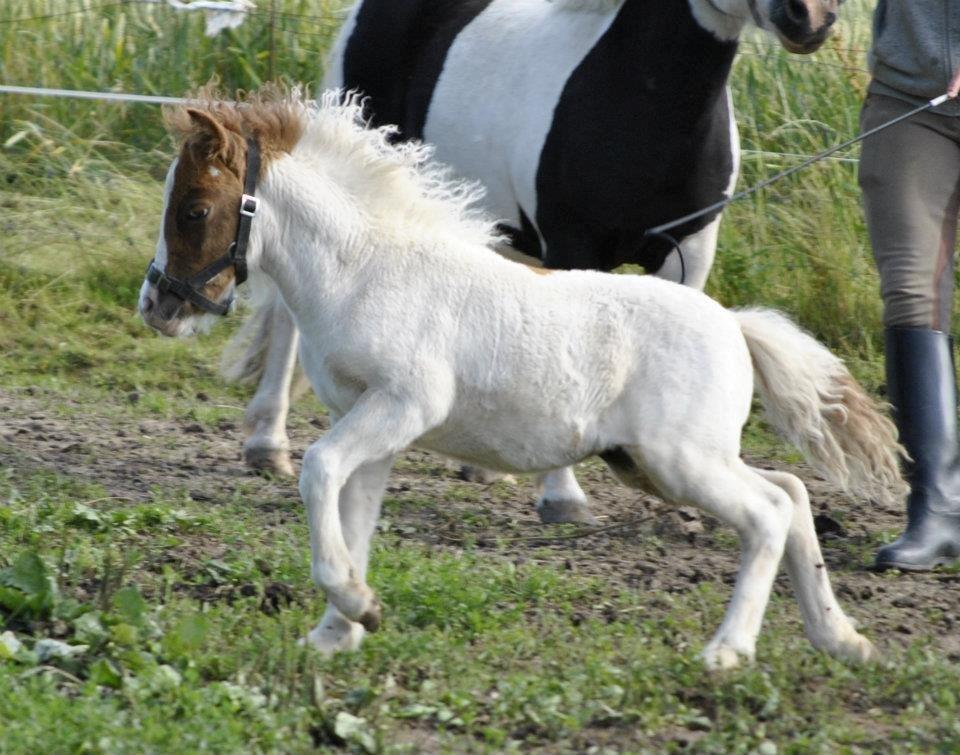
x=236, y=254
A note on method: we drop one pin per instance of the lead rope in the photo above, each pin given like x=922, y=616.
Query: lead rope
x=661, y=230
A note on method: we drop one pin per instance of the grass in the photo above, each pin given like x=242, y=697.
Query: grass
x=478, y=654
x=135, y=46
x=189, y=605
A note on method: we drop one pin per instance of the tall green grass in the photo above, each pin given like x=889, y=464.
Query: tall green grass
x=800, y=245
x=134, y=46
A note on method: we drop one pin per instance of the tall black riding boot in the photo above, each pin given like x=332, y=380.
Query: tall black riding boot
x=921, y=385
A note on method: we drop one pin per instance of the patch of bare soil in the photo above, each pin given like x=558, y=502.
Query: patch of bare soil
x=643, y=544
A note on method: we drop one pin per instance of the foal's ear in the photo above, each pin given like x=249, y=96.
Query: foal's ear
x=208, y=134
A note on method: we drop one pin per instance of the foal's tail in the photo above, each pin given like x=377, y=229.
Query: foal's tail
x=245, y=356
x=815, y=403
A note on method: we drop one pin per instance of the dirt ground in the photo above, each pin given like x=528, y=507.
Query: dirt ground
x=642, y=544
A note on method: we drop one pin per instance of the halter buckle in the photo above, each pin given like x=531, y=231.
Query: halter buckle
x=249, y=205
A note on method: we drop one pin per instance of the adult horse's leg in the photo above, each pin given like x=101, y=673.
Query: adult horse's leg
x=825, y=623
x=360, y=501
x=562, y=499
x=698, y=250
x=266, y=446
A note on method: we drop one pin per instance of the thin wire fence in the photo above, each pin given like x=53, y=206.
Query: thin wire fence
x=253, y=13
x=797, y=246
x=273, y=21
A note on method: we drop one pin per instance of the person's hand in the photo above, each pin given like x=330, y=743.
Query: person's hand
x=954, y=87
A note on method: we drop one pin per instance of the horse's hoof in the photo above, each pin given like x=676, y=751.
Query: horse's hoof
x=565, y=512
x=722, y=657
x=371, y=618
x=483, y=476
x=273, y=460
x=328, y=640
x=856, y=649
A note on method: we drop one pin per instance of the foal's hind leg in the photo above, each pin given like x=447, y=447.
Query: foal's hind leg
x=760, y=512
x=359, y=509
x=266, y=446
x=826, y=625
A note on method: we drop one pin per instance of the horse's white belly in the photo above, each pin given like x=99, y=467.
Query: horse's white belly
x=493, y=104
x=511, y=441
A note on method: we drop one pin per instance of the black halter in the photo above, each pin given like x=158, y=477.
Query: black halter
x=236, y=254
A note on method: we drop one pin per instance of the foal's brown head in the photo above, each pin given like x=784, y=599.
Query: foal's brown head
x=194, y=272
x=200, y=218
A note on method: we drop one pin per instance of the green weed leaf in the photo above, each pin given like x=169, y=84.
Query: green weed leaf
x=131, y=606
x=26, y=587
x=354, y=730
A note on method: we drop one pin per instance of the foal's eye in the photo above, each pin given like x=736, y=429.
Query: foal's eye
x=198, y=211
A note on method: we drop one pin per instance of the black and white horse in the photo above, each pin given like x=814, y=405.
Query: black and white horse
x=588, y=122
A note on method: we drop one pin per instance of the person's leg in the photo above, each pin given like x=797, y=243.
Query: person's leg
x=910, y=177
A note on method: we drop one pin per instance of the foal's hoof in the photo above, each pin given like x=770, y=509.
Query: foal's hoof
x=721, y=657
x=328, y=640
x=272, y=460
x=484, y=476
x=565, y=512
x=855, y=649
x=370, y=620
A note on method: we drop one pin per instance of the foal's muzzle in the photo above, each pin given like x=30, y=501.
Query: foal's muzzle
x=189, y=290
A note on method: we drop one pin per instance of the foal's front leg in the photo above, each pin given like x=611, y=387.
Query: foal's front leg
x=378, y=426
x=360, y=501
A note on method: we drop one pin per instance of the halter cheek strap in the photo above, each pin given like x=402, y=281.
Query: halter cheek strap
x=236, y=255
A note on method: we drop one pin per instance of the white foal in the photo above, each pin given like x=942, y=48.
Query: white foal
x=414, y=333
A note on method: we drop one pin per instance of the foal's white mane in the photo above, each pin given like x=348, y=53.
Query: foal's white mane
x=397, y=185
